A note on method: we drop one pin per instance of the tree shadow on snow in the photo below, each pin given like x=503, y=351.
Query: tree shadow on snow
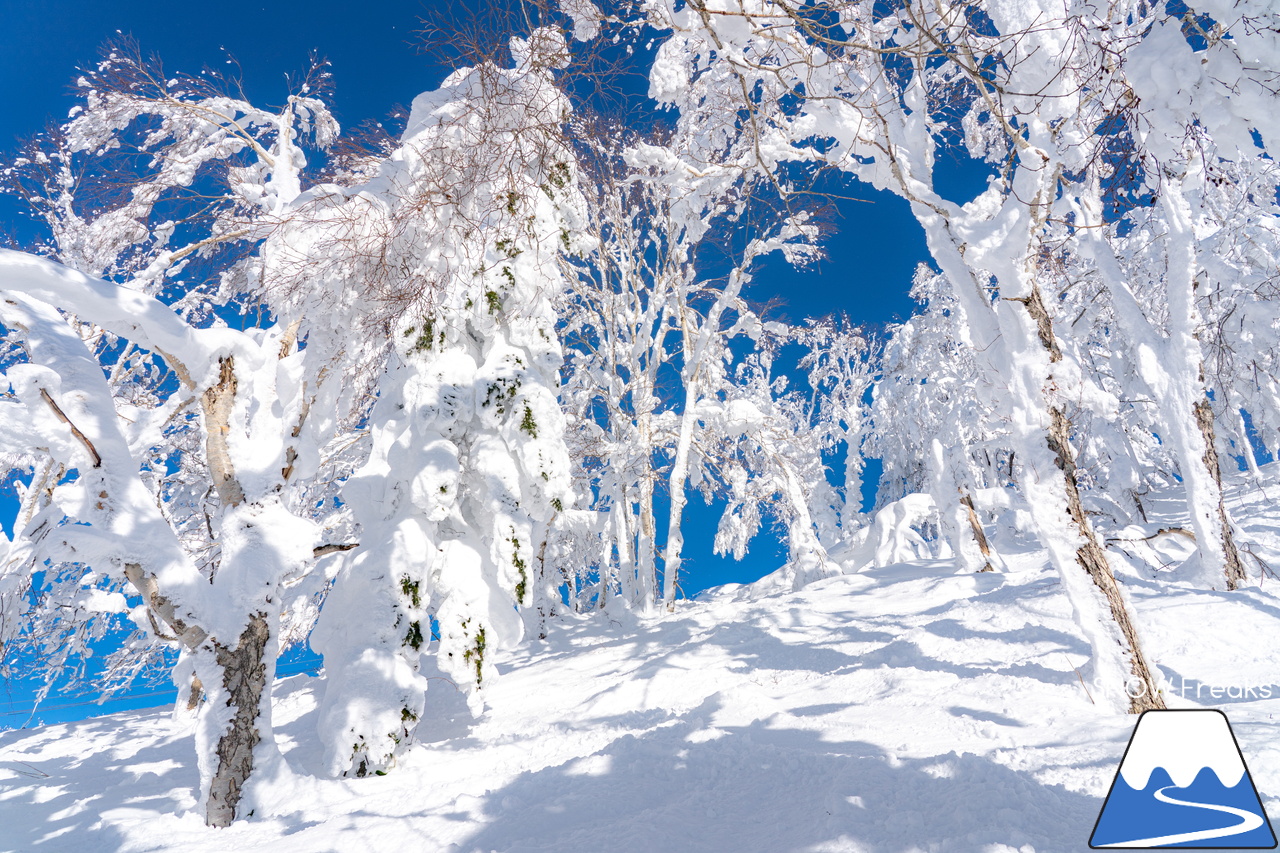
x=123, y=769
x=688, y=787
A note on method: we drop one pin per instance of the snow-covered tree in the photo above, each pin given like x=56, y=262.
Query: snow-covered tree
x=935, y=425
x=1040, y=93
x=442, y=256
x=163, y=440
x=878, y=91
x=449, y=251
x=669, y=385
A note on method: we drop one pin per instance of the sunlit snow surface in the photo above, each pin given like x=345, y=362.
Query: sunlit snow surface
x=908, y=708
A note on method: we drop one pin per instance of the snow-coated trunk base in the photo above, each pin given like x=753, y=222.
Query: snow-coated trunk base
x=1094, y=561
x=244, y=673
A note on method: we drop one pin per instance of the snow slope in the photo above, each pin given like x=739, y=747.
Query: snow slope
x=907, y=708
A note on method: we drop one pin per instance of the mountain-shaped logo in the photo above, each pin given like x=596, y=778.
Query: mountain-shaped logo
x=1183, y=783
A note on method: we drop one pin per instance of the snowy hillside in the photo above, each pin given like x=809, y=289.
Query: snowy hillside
x=410, y=395
x=905, y=708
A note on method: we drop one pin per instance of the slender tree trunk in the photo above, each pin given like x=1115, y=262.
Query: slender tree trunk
x=1093, y=560
x=1184, y=319
x=624, y=539
x=694, y=349
x=1246, y=447
x=671, y=557
x=945, y=486
x=1089, y=553
x=543, y=593
x=217, y=402
x=646, y=544
x=979, y=535
x=1233, y=567
x=808, y=556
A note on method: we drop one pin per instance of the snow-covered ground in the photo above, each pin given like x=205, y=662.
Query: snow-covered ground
x=906, y=708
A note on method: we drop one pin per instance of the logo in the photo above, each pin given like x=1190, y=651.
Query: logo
x=1183, y=783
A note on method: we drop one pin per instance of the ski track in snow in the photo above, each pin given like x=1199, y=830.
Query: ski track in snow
x=902, y=710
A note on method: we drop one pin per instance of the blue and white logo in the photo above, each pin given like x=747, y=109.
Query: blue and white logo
x=1183, y=783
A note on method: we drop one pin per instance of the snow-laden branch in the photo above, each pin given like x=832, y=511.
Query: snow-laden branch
x=117, y=520
x=192, y=353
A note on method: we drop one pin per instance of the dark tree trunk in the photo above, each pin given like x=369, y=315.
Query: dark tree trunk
x=1093, y=560
x=244, y=672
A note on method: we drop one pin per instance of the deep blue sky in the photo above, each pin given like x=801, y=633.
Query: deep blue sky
x=378, y=61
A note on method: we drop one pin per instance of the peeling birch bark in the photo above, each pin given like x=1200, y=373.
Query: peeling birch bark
x=244, y=678
x=217, y=402
x=979, y=535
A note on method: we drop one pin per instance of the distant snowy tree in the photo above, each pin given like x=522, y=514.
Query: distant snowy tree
x=841, y=367
x=935, y=424
x=662, y=397
x=771, y=461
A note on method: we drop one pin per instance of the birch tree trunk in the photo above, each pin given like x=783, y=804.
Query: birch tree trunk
x=1202, y=473
x=959, y=516
x=1141, y=688
x=696, y=346
x=671, y=557
x=244, y=680
x=646, y=542
x=979, y=535
x=244, y=666
x=1232, y=565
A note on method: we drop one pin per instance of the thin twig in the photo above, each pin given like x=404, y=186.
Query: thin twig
x=36, y=772
x=1180, y=531
x=1081, y=677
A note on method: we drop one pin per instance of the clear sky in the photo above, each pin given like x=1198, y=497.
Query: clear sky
x=378, y=60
